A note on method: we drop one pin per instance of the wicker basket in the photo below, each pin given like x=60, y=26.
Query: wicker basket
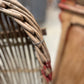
x=23, y=52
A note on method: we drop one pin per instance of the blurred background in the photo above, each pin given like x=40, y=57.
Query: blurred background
x=46, y=13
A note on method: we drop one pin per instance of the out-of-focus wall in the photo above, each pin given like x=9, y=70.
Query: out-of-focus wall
x=37, y=7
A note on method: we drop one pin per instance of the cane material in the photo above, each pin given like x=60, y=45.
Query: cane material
x=13, y=15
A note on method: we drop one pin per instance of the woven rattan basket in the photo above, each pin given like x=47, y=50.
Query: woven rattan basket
x=24, y=58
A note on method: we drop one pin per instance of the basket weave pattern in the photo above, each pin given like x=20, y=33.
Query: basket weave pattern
x=25, y=20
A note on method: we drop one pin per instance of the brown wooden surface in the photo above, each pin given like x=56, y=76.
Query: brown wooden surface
x=72, y=64
x=65, y=25
x=69, y=62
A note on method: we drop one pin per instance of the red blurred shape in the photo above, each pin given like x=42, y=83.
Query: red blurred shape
x=63, y=1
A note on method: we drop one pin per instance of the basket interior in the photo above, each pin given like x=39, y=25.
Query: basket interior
x=17, y=55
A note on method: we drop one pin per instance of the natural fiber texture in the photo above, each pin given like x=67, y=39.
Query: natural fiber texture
x=26, y=21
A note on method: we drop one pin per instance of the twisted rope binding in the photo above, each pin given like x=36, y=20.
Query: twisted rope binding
x=36, y=44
